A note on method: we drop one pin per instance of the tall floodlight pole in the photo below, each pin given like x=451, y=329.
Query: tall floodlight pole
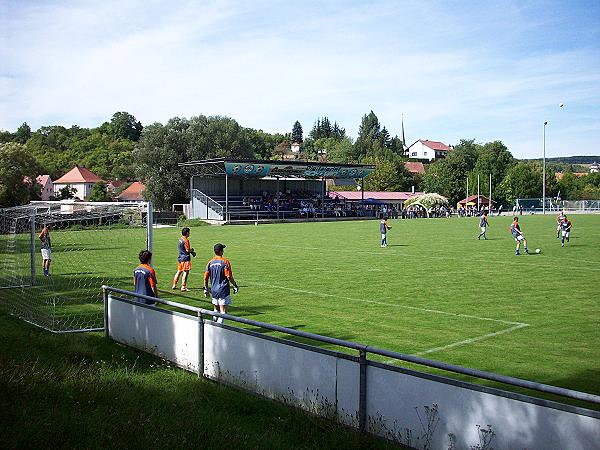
x=490, y=199
x=478, y=198
x=544, y=170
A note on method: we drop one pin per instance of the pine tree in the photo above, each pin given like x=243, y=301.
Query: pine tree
x=297, y=133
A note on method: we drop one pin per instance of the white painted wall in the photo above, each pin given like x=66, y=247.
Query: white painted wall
x=83, y=189
x=325, y=384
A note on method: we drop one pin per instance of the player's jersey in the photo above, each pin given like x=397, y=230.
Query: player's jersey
x=515, y=229
x=144, y=278
x=218, y=269
x=483, y=221
x=560, y=218
x=383, y=227
x=183, y=248
x=566, y=225
x=46, y=243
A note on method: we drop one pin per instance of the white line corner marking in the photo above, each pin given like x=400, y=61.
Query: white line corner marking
x=513, y=325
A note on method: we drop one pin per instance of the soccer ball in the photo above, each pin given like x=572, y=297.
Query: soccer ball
x=538, y=250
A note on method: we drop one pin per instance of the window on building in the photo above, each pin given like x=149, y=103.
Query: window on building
x=413, y=154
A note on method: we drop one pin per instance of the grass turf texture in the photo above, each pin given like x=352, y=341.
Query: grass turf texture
x=435, y=291
x=84, y=391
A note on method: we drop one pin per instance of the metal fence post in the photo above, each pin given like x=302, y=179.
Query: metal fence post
x=362, y=393
x=200, y=345
x=105, y=297
x=32, y=246
x=149, y=222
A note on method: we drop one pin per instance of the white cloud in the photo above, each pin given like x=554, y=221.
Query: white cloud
x=454, y=74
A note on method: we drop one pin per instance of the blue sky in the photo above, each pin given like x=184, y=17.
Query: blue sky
x=473, y=70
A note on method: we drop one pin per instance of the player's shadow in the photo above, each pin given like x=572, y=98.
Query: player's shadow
x=398, y=245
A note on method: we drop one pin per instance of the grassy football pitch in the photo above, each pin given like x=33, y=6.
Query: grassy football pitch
x=435, y=291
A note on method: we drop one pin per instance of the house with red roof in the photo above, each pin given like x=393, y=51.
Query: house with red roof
x=415, y=167
x=78, y=178
x=134, y=193
x=426, y=149
x=46, y=187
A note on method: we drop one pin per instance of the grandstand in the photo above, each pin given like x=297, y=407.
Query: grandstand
x=239, y=190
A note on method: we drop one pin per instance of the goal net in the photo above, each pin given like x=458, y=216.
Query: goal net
x=91, y=244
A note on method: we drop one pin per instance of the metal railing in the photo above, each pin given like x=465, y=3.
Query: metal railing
x=209, y=203
x=365, y=349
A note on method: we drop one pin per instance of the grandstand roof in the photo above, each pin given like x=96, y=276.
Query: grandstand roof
x=375, y=195
x=262, y=168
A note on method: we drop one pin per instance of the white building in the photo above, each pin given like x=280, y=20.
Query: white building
x=78, y=178
x=426, y=149
x=594, y=168
x=46, y=187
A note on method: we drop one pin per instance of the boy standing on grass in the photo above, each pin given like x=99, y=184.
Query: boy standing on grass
x=515, y=230
x=46, y=248
x=218, y=270
x=383, y=227
x=566, y=230
x=184, y=263
x=483, y=223
x=559, y=221
x=144, y=278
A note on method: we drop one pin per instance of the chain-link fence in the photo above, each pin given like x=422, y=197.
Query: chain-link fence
x=90, y=245
x=535, y=205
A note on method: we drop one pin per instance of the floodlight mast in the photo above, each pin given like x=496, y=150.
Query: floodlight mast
x=544, y=170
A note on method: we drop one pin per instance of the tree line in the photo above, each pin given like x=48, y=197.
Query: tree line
x=122, y=148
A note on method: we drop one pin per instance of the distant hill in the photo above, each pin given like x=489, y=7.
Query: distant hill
x=570, y=159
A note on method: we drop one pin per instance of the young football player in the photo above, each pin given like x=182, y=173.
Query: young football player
x=515, y=230
x=559, y=221
x=483, y=223
x=566, y=230
x=46, y=248
x=218, y=271
x=383, y=227
x=184, y=263
x=144, y=278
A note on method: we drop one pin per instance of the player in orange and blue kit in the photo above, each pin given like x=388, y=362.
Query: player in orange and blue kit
x=515, y=230
x=383, y=227
x=218, y=271
x=144, y=278
x=184, y=263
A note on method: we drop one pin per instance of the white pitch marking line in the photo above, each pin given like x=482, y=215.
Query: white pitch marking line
x=436, y=311
x=516, y=325
x=471, y=340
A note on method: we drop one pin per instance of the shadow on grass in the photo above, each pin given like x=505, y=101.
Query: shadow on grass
x=84, y=391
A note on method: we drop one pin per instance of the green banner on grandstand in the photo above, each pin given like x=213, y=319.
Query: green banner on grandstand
x=303, y=170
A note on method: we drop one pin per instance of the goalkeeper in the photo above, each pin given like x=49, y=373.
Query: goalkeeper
x=218, y=271
x=184, y=263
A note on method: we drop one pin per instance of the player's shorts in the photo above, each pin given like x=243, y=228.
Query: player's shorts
x=483, y=229
x=558, y=227
x=519, y=238
x=383, y=235
x=183, y=266
x=566, y=234
x=46, y=253
x=222, y=301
